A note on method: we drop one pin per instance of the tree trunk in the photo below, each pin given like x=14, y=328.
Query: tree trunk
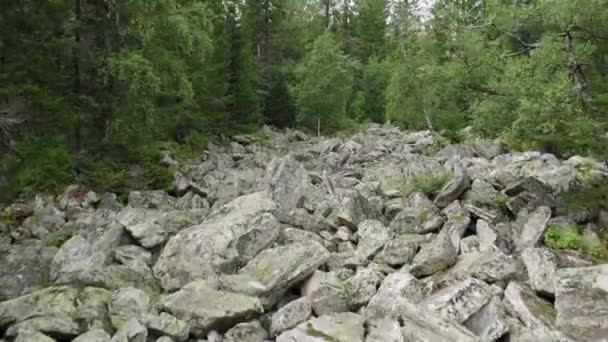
x=429, y=122
x=76, y=78
x=577, y=74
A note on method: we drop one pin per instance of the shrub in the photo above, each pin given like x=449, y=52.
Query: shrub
x=427, y=184
x=569, y=238
x=563, y=238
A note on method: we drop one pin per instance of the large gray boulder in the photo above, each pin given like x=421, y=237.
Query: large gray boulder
x=327, y=292
x=454, y=188
x=490, y=322
x=459, y=301
x=383, y=330
x=581, y=300
x=533, y=227
x=352, y=208
x=363, y=285
x=290, y=315
x=205, y=250
x=24, y=269
x=131, y=331
x=417, y=216
x=286, y=181
x=373, y=235
x=168, y=325
x=246, y=332
x=206, y=308
x=485, y=202
x=436, y=256
x=93, y=335
x=341, y=327
x=52, y=302
x=128, y=303
x=402, y=248
x=79, y=257
x=531, y=310
x=542, y=265
x=396, y=291
x=420, y=325
x=275, y=270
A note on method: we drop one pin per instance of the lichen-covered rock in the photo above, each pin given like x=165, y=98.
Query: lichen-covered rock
x=265, y=230
x=469, y=244
x=436, y=256
x=134, y=274
x=169, y=325
x=246, y=332
x=203, y=250
x=128, y=303
x=352, y=209
x=533, y=227
x=459, y=301
x=490, y=266
x=363, y=285
x=92, y=309
x=33, y=336
x=286, y=181
x=63, y=327
x=206, y=308
x=329, y=295
x=151, y=199
x=420, y=325
x=51, y=302
x=128, y=253
x=453, y=189
x=383, y=330
x=341, y=327
x=402, y=248
x=418, y=216
x=581, y=300
x=542, y=265
x=486, y=235
x=531, y=310
x=78, y=257
x=484, y=201
x=93, y=335
x=373, y=235
x=24, y=269
x=490, y=322
x=396, y=291
x=290, y=315
x=131, y=331
x=275, y=270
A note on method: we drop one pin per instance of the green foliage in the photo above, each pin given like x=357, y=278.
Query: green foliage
x=324, y=86
x=569, y=238
x=563, y=238
x=427, y=184
x=592, y=195
x=57, y=239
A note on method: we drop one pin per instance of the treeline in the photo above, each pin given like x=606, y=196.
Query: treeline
x=91, y=89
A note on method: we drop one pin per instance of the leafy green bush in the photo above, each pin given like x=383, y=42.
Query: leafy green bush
x=569, y=238
x=58, y=239
x=563, y=238
x=427, y=184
